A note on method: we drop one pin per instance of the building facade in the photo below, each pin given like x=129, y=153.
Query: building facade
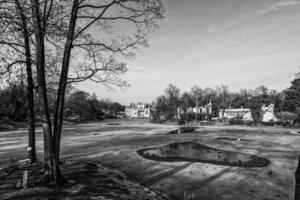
x=231, y=113
x=267, y=113
x=138, y=110
x=202, y=112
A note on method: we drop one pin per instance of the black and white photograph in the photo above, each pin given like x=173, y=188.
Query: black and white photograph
x=149, y=99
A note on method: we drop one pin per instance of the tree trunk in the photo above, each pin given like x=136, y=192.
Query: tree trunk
x=30, y=86
x=42, y=90
x=197, y=104
x=58, y=117
x=297, y=180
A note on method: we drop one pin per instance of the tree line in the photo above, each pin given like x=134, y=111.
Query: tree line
x=286, y=102
x=79, y=106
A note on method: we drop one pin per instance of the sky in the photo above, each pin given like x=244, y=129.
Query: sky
x=239, y=43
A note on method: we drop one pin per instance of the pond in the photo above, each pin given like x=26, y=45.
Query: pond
x=191, y=151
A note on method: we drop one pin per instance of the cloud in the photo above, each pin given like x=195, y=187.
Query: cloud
x=283, y=4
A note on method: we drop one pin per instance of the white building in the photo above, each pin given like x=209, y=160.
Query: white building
x=244, y=113
x=207, y=109
x=267, y=113
x=204, y=112
x=138, y=110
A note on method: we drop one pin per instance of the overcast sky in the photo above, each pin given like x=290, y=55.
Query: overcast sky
x=239, y=43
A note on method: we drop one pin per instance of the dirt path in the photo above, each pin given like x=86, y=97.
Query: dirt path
x=86, y=180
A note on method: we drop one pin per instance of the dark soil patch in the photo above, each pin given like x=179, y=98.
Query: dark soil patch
x=184, y=129
x=195, y=152
x=233, y=139
x=5, y=128
x=113, y=123
x=86, y=181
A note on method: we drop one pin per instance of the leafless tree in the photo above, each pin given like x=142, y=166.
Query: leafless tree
x=91, y=40
x=196, y=92
x=16, y=52
x=172, y=93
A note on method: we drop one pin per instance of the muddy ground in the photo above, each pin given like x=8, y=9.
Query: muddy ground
x=114, y=144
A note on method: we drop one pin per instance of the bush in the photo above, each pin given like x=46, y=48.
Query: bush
x=288, y=117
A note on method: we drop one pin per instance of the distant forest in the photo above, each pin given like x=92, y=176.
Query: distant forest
x=287, y=102
x=80, y=105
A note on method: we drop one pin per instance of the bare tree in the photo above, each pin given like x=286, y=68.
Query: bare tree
x=196, y=92
x=186, y=102
x=223, y=97
x=98, y=56
x=14, y=23
x=173, y=93
x=39, y=25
